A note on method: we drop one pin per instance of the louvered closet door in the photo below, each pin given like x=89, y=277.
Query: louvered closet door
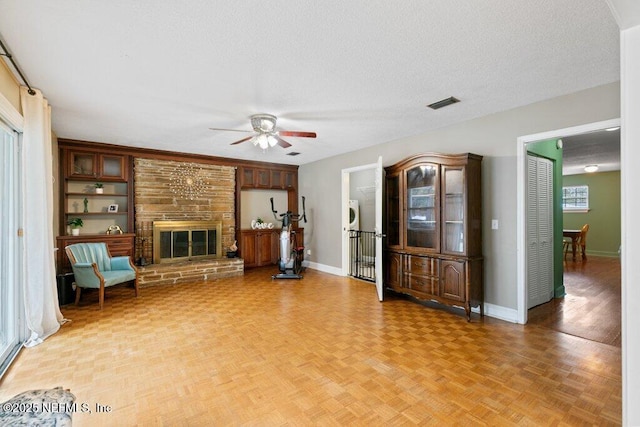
x=539, y=230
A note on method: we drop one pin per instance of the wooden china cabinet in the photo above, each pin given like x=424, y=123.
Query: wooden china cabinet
x=433, y=224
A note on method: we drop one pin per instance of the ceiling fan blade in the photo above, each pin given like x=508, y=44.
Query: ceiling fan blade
x=282, y=142
x=297, y=134
x=231, y=130
x=242, y=140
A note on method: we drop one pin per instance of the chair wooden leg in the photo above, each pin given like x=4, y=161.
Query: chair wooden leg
x=78, y=291
x=101, y=295
x=135, y=286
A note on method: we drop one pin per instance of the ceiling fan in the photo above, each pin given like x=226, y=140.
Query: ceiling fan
x=266, y=135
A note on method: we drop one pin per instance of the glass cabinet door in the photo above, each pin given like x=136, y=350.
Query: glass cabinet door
x=392, y=224
x=112, y=166
x=422, y=228
x=453, y=208
x=83, y=164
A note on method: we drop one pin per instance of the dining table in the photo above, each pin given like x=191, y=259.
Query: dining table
x=574, y=235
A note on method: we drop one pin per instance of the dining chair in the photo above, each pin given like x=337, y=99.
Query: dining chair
x=581, y=243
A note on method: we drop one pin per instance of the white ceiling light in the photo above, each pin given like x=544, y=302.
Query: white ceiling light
x=265, y=140
x=591, y=168
x=612, y=129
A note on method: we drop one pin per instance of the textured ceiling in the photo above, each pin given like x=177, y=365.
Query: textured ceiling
x=160, y=74
x=600, y=148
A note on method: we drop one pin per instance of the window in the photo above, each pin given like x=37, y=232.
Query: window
x=575, y=198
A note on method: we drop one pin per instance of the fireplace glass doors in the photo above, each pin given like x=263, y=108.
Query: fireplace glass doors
x=186, y=240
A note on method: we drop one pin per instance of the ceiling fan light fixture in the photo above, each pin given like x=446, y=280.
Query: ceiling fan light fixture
x=265, y=134
x=262, y=141
x=263, y=122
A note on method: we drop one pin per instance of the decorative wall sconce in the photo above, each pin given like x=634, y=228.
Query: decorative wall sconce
x=187, y=182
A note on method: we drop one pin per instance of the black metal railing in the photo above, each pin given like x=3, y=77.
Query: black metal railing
x=362, y=255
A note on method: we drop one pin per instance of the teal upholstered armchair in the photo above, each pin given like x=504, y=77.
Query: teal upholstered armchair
x=94, y=267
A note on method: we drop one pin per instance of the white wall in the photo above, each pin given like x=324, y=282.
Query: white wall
x=493, y=137
x=256, y=204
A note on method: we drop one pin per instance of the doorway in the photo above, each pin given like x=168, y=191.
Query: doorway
x=590, y=303
x=362, y=225
x=522, y=249
x=362, y=248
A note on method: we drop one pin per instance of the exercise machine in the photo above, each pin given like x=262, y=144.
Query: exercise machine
x=291, y=255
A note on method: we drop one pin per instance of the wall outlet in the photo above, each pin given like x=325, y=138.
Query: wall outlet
x=494, y=224
x=308, y=251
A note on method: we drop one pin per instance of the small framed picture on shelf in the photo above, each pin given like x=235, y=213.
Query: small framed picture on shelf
x=112, y=208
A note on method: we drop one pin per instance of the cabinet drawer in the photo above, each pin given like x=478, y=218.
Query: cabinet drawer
x=120, y=248
x=424, y=266
x=426, y=284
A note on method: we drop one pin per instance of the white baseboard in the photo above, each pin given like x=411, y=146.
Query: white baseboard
x=502, y=313
x=324, y=268
x=490, y=310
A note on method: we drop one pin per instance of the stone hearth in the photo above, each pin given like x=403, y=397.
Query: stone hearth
x=189, y=271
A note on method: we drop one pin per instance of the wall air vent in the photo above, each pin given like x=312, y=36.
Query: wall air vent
x=293, y=153
x=443, y=103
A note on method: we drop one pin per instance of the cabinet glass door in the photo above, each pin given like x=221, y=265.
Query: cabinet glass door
x=422, y=226
x=454, y=239
x=112, y=166
x=83, y=164
x=393, y=210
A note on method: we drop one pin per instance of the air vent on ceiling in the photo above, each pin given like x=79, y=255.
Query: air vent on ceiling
x=293, y=153
x=443, y=103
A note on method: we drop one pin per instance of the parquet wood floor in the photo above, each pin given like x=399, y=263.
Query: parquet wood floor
x=319, y=351
x=592, y=307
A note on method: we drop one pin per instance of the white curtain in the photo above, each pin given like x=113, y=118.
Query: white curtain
x=40, y=293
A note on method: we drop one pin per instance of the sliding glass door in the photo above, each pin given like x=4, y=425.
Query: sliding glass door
x=11, y=307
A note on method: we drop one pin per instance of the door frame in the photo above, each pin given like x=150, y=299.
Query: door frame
x=345, y=218
x=521, y=247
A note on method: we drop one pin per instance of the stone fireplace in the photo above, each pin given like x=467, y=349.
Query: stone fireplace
x=200, y=230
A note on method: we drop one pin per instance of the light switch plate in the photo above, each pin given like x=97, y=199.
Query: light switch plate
x=494, y=224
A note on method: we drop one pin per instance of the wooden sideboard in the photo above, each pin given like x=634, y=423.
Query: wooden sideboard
x=262, y=247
